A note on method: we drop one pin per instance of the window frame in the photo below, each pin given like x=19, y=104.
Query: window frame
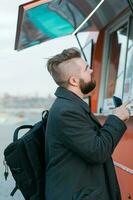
x=125, y=19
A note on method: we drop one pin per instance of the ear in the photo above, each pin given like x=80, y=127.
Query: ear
x=73, y=81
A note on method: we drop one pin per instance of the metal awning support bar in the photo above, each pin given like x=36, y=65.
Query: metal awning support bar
x=81, y=49
x=130, y=4
x=89, y=16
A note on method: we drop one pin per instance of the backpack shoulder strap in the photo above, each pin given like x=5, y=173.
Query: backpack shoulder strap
x=45, y=115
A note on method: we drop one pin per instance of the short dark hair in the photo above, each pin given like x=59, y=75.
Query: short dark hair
x=65, y=55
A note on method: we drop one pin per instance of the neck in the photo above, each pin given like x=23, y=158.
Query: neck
x=76, y=91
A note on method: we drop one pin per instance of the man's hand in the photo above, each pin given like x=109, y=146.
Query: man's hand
x=122, y=111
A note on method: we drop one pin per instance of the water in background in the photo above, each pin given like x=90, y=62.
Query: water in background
x=8, y=122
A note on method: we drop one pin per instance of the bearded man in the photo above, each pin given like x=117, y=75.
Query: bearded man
x=78, y=148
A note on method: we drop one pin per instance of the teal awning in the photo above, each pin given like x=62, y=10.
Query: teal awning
x=42, y=20
x=49, y=22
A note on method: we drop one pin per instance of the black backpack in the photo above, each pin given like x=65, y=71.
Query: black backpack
x=26, y=160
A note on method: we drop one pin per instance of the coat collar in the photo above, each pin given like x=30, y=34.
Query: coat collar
x=67, y=94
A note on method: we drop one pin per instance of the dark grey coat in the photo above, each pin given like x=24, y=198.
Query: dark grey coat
x=78, y=151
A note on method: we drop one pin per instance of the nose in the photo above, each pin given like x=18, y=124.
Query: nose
x=90, y=71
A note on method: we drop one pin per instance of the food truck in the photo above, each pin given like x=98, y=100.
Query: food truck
x=109, y=51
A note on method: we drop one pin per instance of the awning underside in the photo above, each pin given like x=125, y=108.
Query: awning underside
x=42, y=20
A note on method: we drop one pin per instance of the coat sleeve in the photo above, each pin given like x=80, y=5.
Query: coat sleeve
x=94, y=146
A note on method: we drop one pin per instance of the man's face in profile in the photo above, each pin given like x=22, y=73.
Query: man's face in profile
x=86, y=81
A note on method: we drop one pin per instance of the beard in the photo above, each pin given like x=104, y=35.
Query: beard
x=87, y=87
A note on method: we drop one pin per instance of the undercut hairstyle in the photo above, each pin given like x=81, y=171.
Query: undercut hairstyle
x=60, y=66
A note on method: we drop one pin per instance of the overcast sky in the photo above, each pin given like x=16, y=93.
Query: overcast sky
x=24, y=72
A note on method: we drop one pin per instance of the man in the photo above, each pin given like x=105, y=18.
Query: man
x=78, y=149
